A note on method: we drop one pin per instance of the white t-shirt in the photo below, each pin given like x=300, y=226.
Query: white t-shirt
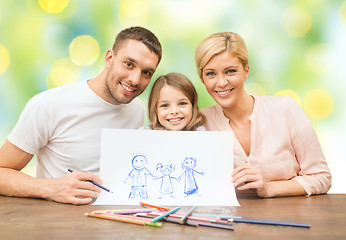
x=63, y=127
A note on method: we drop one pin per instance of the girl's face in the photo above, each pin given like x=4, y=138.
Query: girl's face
x=174, y=109
x=224, y=78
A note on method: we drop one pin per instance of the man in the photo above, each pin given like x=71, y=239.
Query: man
x=63, y=125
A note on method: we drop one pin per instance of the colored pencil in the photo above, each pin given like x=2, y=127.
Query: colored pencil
x=223, y=217
x=125, y=211
x=269, y=222
x=183, y=219
x=153, y=206
x=165, y=214
x=124, y=219
x=196, y=223
x=191, y=217
x=96, y=184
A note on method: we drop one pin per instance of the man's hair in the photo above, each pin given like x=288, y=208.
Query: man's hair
x=140, y=34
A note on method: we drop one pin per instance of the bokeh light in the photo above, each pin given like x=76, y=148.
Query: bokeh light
x=291, y=93
x=342, y=13
x=254, y=88
x=318, y=103
x=4, y=59
x=56, y=40
x=133, y=12
x=84, y=50
x=63, y=72
x=296, y=21
x=320, y=58
x=53, y=6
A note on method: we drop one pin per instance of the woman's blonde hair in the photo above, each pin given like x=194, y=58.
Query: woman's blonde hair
x=218, y=43
x=184, y=85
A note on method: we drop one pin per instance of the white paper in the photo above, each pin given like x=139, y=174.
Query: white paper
x=167, y=168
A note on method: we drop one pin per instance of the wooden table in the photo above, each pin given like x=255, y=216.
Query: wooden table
x=23, y=218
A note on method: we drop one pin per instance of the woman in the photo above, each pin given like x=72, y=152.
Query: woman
x=276, y=151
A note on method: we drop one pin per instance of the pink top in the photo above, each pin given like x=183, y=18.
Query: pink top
x=283, y=143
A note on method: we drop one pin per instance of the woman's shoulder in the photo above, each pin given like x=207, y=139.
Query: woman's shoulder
x=211, y=110
x=280, y=102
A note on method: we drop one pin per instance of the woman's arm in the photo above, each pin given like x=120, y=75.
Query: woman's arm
x=248, y=177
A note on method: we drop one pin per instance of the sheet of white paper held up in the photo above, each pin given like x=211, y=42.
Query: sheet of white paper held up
x=167, y=168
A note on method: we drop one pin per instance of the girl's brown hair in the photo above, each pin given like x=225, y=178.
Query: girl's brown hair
x=183, y=84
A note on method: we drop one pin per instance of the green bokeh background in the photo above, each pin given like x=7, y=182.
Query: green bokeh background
x=298, y=46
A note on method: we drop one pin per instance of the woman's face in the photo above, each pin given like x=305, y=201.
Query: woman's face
x=224, y=78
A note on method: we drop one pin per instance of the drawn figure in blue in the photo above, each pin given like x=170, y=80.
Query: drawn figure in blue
x=189, y=164
x=139, y=174
x=166, y=182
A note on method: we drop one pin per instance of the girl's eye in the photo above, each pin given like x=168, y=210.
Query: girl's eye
x=183, y=103
x=164, y=105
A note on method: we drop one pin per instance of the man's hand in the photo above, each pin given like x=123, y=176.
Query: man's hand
x=73, y=188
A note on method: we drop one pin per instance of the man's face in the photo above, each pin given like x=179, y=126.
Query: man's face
x=130, y=70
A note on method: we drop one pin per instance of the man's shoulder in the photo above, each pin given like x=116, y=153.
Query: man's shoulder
x=61, y=92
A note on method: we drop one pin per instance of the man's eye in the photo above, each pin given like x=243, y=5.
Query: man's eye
x=128, y=64
x=147, y=73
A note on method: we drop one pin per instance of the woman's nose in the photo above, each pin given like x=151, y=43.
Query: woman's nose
x=222, y=81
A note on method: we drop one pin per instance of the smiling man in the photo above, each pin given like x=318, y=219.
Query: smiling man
x=62, y=126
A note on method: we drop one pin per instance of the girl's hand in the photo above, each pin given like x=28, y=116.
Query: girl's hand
x=249, y=177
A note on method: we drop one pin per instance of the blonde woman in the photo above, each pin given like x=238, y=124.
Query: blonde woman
x=276, y=151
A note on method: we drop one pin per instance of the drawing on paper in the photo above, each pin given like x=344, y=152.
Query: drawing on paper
x=139, y=177
x=190, y=186
x=166, y=188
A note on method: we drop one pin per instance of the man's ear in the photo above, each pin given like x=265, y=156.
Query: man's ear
x=109, y=56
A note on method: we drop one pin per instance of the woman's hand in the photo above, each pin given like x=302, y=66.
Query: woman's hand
x=249, y=177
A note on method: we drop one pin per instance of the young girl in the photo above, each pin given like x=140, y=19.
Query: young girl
x=173, y=105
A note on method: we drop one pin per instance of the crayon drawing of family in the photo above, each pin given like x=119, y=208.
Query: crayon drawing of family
x=140, y=172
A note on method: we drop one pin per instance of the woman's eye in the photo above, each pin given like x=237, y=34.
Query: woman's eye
x=210, y=74
x=231, y=71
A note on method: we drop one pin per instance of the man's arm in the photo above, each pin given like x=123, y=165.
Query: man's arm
x=71, y=188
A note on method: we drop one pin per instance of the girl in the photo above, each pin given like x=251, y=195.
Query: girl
x=276, y=151
x=173, y=105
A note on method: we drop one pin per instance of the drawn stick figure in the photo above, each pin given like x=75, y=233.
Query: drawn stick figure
x=139, y=174
x=190, y=187
x=166, y=182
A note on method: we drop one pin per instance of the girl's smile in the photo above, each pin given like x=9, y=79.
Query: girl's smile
x=174, y=109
